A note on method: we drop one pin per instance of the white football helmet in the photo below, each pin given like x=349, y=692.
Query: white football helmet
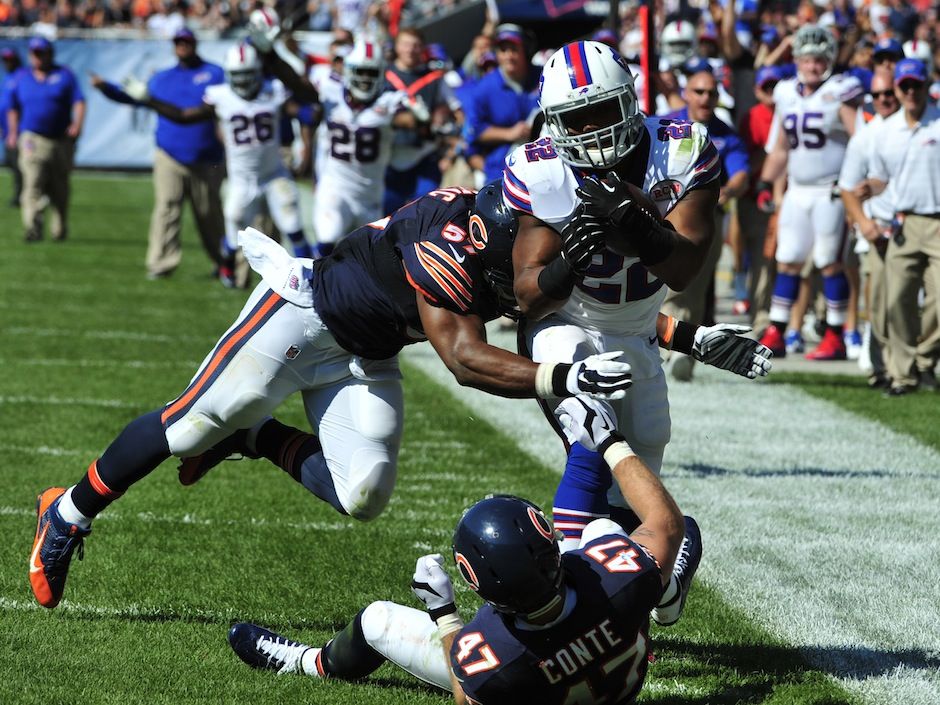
x=677, y=43
x=919, y=49
x=591, y=110
x=243, y=70
x=813, y=40
x=364, y=70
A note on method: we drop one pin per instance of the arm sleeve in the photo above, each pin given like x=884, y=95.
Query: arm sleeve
x=112, y=91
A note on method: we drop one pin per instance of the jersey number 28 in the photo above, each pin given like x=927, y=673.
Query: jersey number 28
x=361, y=144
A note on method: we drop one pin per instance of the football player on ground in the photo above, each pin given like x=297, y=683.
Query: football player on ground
x=331, y=329
x=555, y=628
x=248, y=111
x=605, y=162
x=814, y=117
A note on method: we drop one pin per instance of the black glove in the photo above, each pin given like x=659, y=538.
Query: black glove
x=582, y=237
x=609, y=199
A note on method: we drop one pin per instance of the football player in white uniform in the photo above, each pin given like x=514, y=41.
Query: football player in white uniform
x=653, y=209
x=248, y=111
x=814, y=118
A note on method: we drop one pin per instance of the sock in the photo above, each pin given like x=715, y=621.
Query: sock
x=836, y=291
x=310, y=663
x=348, y=654
x=786, y=289
x=670, y=591
x=581, y=496
x=133, y=455
x=301, y=246
x=285, y=446
x=71, y=514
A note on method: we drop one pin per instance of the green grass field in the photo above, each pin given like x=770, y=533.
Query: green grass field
x=87, y=344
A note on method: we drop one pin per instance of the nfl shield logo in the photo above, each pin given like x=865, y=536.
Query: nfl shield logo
x=292, y=352
x=293, y=282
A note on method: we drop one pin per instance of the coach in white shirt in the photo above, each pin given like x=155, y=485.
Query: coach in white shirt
x=907, y=157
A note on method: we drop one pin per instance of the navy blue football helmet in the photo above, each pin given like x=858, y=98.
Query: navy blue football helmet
x=505, y=549
x=493, y=229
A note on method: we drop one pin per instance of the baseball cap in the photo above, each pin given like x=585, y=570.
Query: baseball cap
x=696, y=65
x=890, y=46
x=487, y=58
x=910, y=69
x=708, y=33
x=40, y=44
x=510, y=33
x=769, y=34
x=767, y=73
x=184, y=34
x=7, y=53
x=605, y=36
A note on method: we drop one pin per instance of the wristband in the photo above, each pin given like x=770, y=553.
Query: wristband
x=669, y=334
x=617, y=450
x=441, y=612
x=556, y=280
x=550, y=380
x=684, y=338
x=449, y=623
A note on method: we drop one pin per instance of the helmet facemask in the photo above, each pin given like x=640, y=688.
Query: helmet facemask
x=362, y=82
x=246, y=83
x=614, y=114
x=811, y=40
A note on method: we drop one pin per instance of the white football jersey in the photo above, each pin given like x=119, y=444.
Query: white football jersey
x=618, y=294
x=813, y=128
x=354, y=144
x=251, y=129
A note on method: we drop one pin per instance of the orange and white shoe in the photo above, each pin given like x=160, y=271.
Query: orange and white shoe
x=53, y=546
x=831, y=347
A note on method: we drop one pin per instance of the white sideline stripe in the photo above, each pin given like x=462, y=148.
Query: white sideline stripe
x=69, y=401
x=818, y=524
x=100, y=363
x=45, y=450
x=105, y=335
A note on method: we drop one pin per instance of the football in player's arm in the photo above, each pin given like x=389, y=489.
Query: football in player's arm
x=552, y=625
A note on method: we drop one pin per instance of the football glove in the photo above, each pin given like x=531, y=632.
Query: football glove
x=136, y=88
x=597, y=376
x=607, y=199
x=588, y=422
x=264, y=26
x=433, y=587
x=765, y=196
x=419, y=109
x=725, y=346
x=582, y=237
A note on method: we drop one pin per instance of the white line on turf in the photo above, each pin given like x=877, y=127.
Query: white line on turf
x=69, y=401
x=817, y=523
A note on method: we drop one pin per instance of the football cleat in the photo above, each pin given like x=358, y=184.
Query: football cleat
x=687, y=560
x=192, y=470
x=794, y=341
x=53, y=546
x=830, y=348
x=773, y=340
x=740, y=307
x=853, y=344
x=261, y=648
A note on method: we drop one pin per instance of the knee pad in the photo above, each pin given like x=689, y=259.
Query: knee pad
x=372, y=478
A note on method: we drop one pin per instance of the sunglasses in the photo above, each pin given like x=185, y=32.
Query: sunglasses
x=704, y=91
x=910, y=86
x=875, y=95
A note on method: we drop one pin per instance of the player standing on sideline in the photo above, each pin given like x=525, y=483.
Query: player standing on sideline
x=601, y=298
x=248, y=111
x=437, y=269
x=814, y=118
x=45, y=116
x=555, y=628
x=187, y=164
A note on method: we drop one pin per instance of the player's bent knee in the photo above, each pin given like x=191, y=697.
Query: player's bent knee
x=373, y=473
x=375, y=621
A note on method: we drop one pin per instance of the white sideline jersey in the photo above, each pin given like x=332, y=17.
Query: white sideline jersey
x=813, y=128
x=354, y=145
x=618, y=294
x=251, y=129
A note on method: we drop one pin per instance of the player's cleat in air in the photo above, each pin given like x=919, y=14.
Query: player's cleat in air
x=831, y=347
x=690, y=553
x=773, y=340
x=193, y=469
x=261, y=648
x=53, y=546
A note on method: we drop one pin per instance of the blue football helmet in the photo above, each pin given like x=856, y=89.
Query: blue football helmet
x=505, y=549
x=493, y=229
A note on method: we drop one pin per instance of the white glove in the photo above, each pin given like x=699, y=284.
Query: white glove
x=419, y=109
x=433, y=587
x=725, y=346
x=135, y=88
x=588, y=422
x=598, y=376
x=264, y=26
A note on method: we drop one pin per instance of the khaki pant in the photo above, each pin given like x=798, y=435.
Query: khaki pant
x=173, y=182
x=760, y=285
x=690, y=304
x=46, y=165
x=908, y=266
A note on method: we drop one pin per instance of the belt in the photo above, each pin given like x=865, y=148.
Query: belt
x=935, y=216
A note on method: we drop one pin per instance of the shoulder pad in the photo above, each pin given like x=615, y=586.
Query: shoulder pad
x=538, y=182
x=846, y=87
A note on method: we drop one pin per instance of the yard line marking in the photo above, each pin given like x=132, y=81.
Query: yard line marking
x=70, y=401
x=45, y=450
x=106, y=335
x=808, y=513
x=96, y=363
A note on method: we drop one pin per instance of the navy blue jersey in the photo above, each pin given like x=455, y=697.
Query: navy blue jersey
x=365, y=291
x=598, y=653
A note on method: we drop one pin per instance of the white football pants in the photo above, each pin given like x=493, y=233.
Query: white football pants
x=336, y=212
x=244, y=198
x=811, y=222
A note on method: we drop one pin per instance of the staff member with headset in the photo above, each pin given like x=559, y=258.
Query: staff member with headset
x=44, y=119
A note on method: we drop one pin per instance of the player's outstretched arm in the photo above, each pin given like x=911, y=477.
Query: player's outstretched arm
x=460, y=341
x=662, y=526
x=722, y=345
x=138, y=91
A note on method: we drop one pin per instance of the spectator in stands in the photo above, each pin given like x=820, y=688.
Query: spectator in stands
x=11, y=65
x=473, y=67
x=414, y=169
x=503, y=104
x=45, y=118
x=188, y=163
x=696, y=302
x=906, y=157
x=167, y=20
x=887, y=53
